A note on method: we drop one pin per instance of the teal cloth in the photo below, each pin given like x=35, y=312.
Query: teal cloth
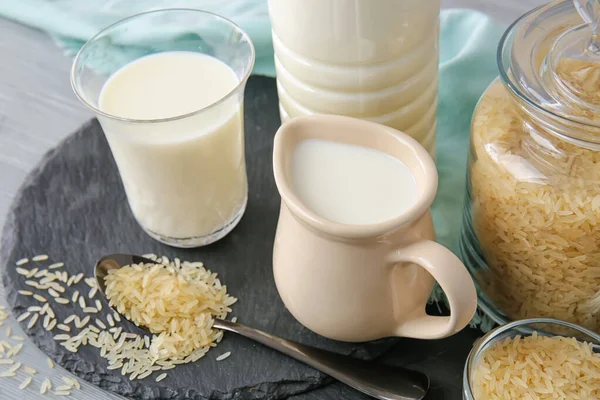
x=468, y=43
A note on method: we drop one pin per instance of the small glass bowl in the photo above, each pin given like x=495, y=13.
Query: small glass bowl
x=524, y=327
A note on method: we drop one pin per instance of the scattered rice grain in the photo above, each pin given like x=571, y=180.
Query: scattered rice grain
x=29, y=370
x=51, y=325
x=161, y=377
x=25, y=383
x=23, y=316
x=40, y=298
x=32, y=321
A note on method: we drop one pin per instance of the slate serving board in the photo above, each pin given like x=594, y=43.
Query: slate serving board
x=73, y=207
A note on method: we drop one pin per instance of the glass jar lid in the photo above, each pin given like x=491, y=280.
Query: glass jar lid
x=550, y=58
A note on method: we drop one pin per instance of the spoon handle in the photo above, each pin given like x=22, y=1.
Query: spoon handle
x=374, y=379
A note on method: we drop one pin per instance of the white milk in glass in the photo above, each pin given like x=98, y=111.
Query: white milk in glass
x=351, y=184
x=374, y=60
x=184, y=178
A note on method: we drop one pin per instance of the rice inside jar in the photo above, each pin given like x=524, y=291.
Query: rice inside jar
x=531, y=232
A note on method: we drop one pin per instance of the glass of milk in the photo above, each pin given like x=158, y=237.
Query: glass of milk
x=167, y=87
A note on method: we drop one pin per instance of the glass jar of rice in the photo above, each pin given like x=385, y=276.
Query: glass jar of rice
x=531, y=230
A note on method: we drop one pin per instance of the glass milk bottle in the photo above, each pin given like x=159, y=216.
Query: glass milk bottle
x=375, y=60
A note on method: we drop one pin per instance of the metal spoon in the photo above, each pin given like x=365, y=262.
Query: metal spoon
x=377, y=380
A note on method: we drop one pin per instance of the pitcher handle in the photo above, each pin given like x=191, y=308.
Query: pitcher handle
x=454, y=279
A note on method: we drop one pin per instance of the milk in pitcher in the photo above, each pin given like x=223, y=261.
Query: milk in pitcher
x=350, y=184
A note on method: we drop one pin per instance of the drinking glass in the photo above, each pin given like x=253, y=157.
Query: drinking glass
x=185, y=175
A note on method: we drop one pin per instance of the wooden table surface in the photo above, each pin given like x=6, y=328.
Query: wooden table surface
x=38, y=108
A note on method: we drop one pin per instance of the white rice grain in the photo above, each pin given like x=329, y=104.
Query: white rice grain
x=78, y=277
x=29, y=370
x=25, y=383
x=15, y=367
x=223, y=356
x=32, y=272
x=46, y=385
x=40, y=298
x=23, y=316
x=40, y=274
x=32, y=321
x=51, y=325
x=71, y=382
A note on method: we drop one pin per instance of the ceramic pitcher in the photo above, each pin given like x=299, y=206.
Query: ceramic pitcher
x=364, y=282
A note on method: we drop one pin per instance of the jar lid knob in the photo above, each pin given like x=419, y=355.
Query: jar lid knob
x=589, y=10
x=574, y=60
